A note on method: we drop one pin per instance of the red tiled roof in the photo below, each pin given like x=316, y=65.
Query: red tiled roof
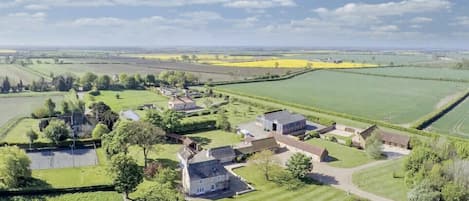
x=318, y=151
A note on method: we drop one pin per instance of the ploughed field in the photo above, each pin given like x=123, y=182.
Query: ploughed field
x=434, y=73
x=395, y=100
x=455, y=122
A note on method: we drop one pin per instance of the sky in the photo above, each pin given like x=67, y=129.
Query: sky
x=301, y=23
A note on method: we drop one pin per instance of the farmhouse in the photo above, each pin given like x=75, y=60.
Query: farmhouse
x=316, y=153
x=203, y=173
x=252, y=145
x=181, y=103
x=282, y=122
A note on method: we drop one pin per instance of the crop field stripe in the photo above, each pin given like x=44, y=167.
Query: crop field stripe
x=399, y=76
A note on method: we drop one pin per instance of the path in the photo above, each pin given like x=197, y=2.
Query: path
x=341, y=178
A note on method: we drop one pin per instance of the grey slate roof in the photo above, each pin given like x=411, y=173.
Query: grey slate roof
x=283, y=117
x=204, y=166
x=222, y=152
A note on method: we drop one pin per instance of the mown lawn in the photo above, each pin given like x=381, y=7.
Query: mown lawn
x=393, y=100
x=380, y=181
x=266, y=190
x=75, y=177
x=342, y=156
x=128, y=99
x=92, y=196
x=164, y=153
x=215, y=138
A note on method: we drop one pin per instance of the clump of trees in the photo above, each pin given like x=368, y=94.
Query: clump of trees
x=126, y=174
x=222, y=121
x=435, y=171
x=57, y=131
x=168, y=120
x=177, y=78
x=374, y=146
x=48, y=110
x=104, y=114
x=14, y=168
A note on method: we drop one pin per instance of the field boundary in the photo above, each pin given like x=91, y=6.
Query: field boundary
x=49, y=191
x=347, y=116
x=429, y=119
x=10, y=125
x=399, y=76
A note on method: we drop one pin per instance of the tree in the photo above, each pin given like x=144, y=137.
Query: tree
x=99, y=130
x=126, y=174
x=6, y=86
x=222, y=120
x=57, y=131
x=14, y=168
x=150, y=79
x=454, y=192
x=276, y=64
x=373, y=146
x=104, y=114
x=130, y=83
x=87, y=80
x=32, y=136
x=299, y=165
x=264, y=161
x=50, y=106
x=159, y=192
x=145, y=135
x=118, y=141
x=424, y=192
x=66, y=108
x=104, y=82
x=167, y=176
x=168, y=120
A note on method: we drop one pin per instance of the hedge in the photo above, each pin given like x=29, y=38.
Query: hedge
x=428, y=119
x=196, y=126
x=320, y=120
x=84, y=189
x=402, y=76
x=64, y=144
x=10, y=125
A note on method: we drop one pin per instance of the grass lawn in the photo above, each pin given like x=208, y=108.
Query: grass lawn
x=92, y=196
x=129, y=99
x=380, y=181
x=266, y=190
x=455, y=122
x=18, y=133
x=75, y=177
x=165, y=154
x=344, y=157
x=394, y=100
x=215, y=138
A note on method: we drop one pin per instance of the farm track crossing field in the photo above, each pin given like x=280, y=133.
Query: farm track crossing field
x=434, y=73
x=394, y=100
x=456, y=122
x=19, y=105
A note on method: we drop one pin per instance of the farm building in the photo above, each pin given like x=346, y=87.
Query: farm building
x=282, y=122
x=316, y=153
x=202, y=173
x=251, y=145
x=391, y=139
x=181, y=103
x=225, y=154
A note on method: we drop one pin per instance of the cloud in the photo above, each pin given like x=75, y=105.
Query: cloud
x=202, y=15
x=420, y=20
x=462, y=21
x=102, y=21
x=259, y=4
x=36, y=7
x=387, y=28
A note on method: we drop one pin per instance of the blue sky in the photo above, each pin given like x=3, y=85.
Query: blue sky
x=309, y=23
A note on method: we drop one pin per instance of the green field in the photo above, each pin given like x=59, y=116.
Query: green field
x=93, y=196
x=435, y=73
x=19, y=105
x=80, y=69
x=215, y=138
x=16, y=73
x=455, y=122
x=394, y=100
x=270, y=191
x=380, y=181
x=342, y=156
x=129, y=99
x=17, y=134
x=366, y=57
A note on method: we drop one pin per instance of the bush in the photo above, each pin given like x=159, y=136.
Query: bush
x=95, y=92
x=348, y=142
x=40, y=113
x=99, y=131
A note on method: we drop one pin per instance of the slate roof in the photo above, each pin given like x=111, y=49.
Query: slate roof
x=202, y=165
x=181, y=100
x=222, y=152
x=283, y=117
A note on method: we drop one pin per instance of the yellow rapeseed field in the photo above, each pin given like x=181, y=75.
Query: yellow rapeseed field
x=294, y=63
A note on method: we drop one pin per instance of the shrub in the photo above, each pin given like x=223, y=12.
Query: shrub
x=40, y=113
x=95, y=92
x=99, y=131
x=348, y=142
